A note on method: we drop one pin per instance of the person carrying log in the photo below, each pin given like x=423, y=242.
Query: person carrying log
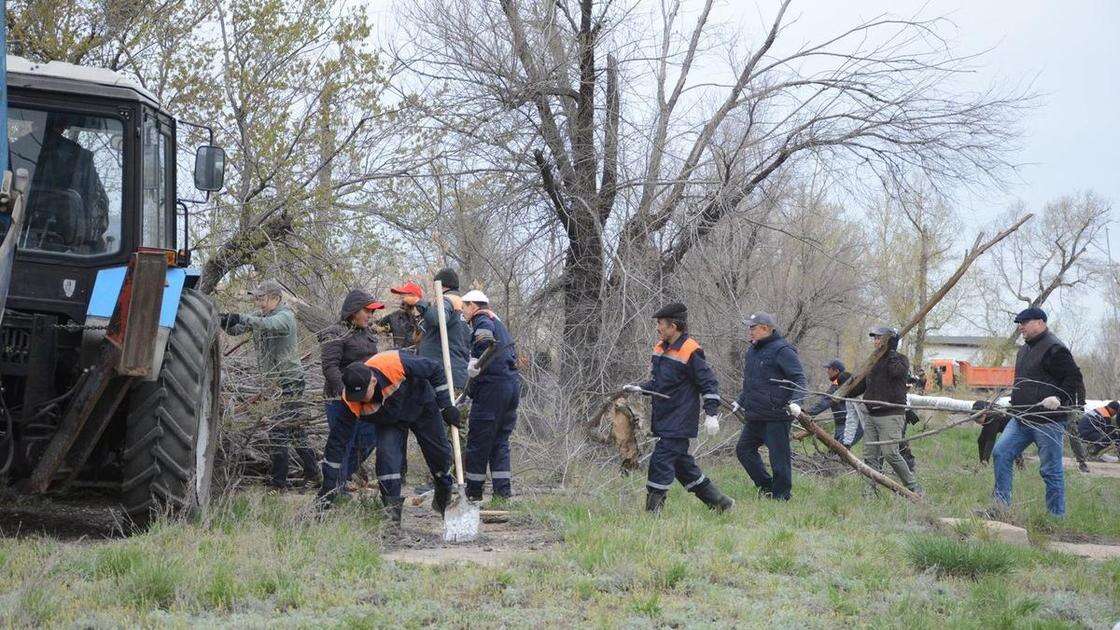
x=351, y=339
x=886, y=383
x=1099, y=429
x=1048, y=383
x=494, y=390
x=768, y=406
x=273, y=329
x=681, y=378
x=398, y=393
x=837, y=376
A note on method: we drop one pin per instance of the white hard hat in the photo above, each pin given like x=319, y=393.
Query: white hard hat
x=474, y=295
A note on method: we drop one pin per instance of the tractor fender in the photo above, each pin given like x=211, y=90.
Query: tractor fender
x=103, y=301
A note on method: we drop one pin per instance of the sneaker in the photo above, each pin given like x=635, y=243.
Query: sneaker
x=1109, y=458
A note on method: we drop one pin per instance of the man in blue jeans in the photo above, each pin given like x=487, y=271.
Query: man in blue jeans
x=769, y=406
x=1047, y=385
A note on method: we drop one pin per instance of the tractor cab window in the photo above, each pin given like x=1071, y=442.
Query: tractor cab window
x=76, y=173
x=157, y=226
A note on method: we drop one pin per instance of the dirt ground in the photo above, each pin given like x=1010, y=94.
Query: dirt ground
x=70, y=517
x=77, y=518
x=420, y=540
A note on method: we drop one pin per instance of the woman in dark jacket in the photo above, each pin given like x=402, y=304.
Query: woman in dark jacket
x=351, y=339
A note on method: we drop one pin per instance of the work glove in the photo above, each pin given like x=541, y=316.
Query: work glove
x=1051, y=403
x=472, y=368
x=632, y=388
x=794, y=409
x=711, y=424
x=452, y=417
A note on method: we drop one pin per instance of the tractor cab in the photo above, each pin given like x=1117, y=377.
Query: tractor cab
x=100, y=158
x=109, y=360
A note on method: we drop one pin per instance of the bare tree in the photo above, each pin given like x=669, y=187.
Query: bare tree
x=913, y=231
x=531, y=95
x=1059, y=252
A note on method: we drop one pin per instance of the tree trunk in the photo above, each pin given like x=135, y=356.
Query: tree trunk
x=924, y=256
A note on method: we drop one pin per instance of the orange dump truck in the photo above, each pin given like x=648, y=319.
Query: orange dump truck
x=950, y=374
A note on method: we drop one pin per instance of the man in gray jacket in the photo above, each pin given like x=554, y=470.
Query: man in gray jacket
x=273, y=329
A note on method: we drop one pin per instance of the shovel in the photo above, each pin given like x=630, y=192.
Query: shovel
x=461, y=518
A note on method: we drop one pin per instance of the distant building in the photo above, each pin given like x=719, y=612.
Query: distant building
x=962, y=348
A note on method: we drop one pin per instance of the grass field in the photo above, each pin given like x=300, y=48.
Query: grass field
x=828, y=558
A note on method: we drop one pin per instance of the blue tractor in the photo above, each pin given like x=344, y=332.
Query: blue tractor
x=109, y=362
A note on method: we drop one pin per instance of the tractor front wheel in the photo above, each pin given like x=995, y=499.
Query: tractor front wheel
x=173, y=421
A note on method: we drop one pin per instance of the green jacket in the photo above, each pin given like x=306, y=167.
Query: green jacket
x=274, y=337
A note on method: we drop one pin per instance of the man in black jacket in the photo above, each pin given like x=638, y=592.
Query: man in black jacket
x=1048, y=384
x=886, y=383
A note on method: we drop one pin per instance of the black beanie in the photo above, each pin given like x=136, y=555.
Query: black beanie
x=448, y=278
x=674, y=310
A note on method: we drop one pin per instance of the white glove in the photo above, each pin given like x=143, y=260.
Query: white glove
x=735, y=407
x=1051, y=402
x=472, y=368
x=794, y=409
x=711, y=424
x=631, y=388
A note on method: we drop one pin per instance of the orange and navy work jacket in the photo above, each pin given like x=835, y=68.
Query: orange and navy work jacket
x=1104, y=412
x=680, y=371
x=408, y=385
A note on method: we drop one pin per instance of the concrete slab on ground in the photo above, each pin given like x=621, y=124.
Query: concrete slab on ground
x=999, y=530
x=1096, y=469
x=1012, y=534
x=1087, y=550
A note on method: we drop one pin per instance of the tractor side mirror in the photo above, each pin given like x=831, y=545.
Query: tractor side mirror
x=209, y=168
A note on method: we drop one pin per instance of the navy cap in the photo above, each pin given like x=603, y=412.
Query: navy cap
x=762, y=319
x=356, y=378
x=1028, y=314
x=673, y=310
x=835, y=364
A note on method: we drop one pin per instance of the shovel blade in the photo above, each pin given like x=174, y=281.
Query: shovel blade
x=461, y=520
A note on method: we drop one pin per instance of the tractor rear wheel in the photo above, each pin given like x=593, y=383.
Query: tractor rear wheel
x=172, y=421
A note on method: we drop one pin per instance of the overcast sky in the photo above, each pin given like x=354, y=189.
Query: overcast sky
x=1070, y=50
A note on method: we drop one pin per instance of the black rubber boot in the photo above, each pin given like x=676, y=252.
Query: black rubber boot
x=713, y=498
x=655, y=500
x=441, y=498
x=393, y=508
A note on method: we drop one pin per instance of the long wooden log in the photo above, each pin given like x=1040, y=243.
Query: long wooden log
x=807, y=421
x=853, y=461
x=978, y=249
